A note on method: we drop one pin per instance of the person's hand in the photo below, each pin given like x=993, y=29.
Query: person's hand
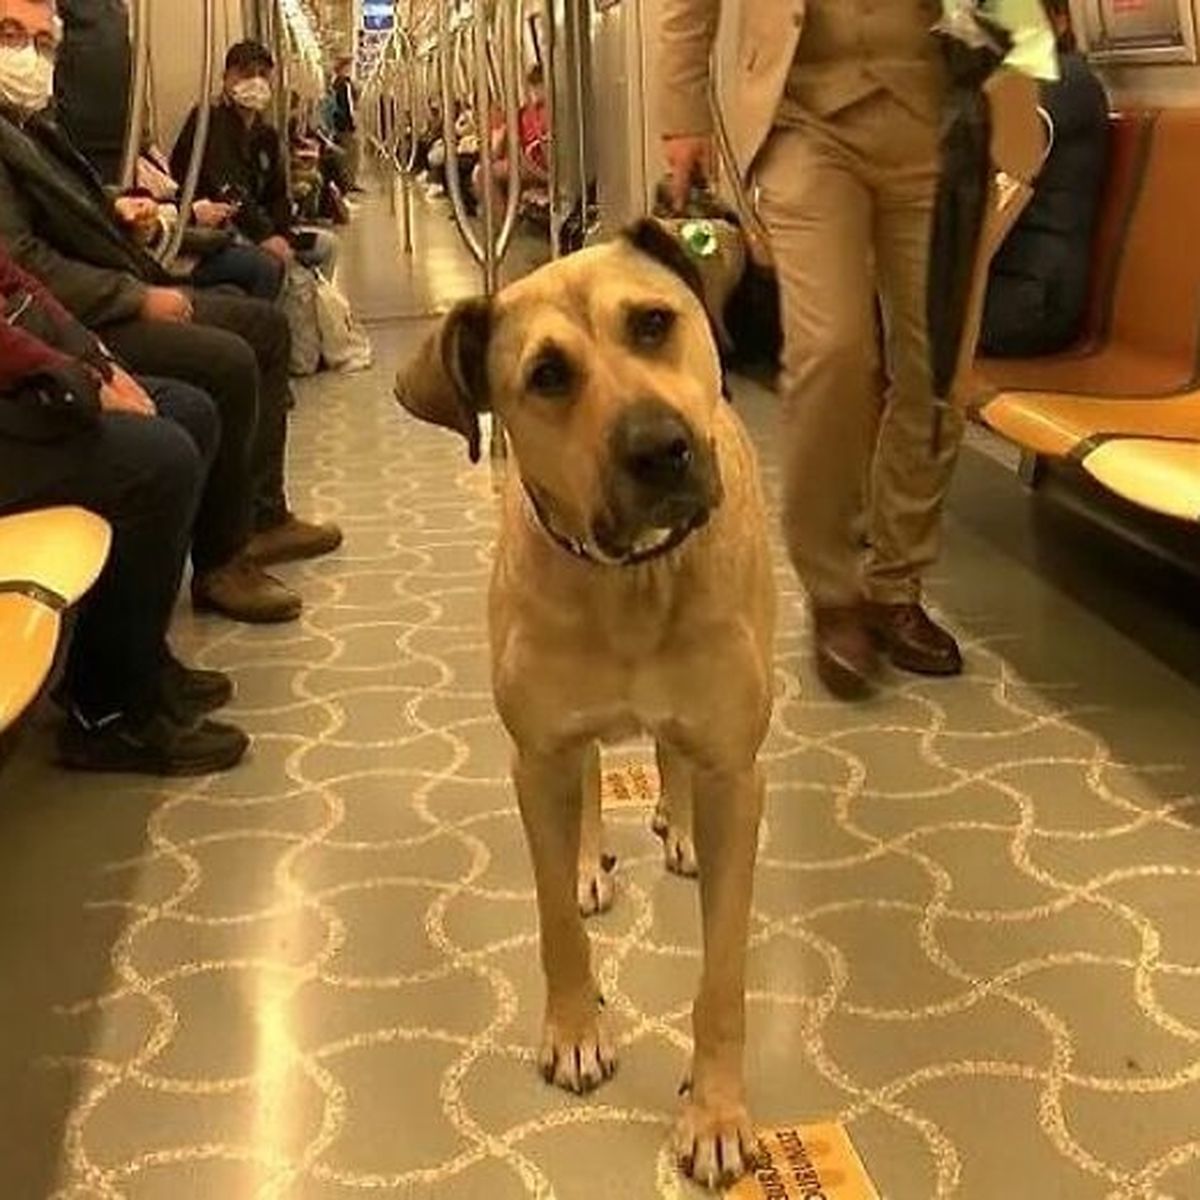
x=139, y=214
x=124, y=394
x=688, y=156
x=166, y=304
x=212, y=214
x=278, y=247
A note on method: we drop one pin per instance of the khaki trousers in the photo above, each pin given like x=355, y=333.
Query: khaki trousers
x=848, y=204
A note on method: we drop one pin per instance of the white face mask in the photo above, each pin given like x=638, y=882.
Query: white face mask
x=254, y=94
x=26, y=79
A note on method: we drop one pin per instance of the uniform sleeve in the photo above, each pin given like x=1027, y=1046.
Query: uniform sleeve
x=687, y=31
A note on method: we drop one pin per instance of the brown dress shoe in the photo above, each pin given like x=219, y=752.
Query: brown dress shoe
x=845, y=654
x=243, y=591
x=913, y=641
x=293, y=539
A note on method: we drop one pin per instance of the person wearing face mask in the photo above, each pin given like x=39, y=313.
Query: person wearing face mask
x=63, y=228
x=243, y=162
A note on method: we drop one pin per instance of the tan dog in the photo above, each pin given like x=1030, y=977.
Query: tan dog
x=632, y=590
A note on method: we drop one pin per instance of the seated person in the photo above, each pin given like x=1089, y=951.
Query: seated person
x=1038, y=287
x=212, y=250
x=466, y=144
x=534, y=133
x=319, y=163
x=61, y=226
x=75, y=429
x=243, y=163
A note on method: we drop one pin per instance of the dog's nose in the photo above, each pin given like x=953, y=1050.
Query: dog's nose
x=654, y=445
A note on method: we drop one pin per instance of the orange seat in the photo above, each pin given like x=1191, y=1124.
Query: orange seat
x=1140, y=381
x=1128, y=148
x=1061, y=426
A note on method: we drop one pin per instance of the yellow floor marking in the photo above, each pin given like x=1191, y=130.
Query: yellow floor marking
x=632, y=785
x=807, y=1162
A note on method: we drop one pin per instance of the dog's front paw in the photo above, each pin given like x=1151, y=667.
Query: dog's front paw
x=715, y=1144
x=595, y=887
x=679, y=851
x=577, y=1055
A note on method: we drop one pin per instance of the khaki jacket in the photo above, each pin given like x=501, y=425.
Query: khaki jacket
x=768, y=36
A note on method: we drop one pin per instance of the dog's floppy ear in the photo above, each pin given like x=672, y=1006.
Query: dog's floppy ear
x=446, y=381
x=653, y=238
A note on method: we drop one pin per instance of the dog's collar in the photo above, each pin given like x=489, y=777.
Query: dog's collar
x=674, y=539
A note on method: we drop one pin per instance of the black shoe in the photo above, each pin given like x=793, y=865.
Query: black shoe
x=187, y=694
x=155, y=745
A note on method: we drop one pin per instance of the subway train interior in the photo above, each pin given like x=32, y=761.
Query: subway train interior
x=299, y=909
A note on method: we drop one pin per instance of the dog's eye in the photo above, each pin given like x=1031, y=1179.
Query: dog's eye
x=551, y=376
x=650, y=327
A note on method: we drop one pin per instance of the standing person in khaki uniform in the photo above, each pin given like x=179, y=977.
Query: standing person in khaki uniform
x=833, y=116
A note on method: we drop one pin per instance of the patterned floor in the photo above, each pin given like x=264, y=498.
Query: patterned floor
x=315, y=977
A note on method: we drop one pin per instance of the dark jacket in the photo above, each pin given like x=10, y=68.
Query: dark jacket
x=51, y=371
x=243, y=164
x=343, y=105
x=91, y=79
x=58, y=223
x=1038, y=289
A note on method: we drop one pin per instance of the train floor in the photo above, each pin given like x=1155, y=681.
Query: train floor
x=974, y=935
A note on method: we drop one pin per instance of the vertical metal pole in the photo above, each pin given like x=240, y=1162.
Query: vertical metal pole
x=200, y=139
x=510, y=62
x=453, y=182
x=553, y=113
x=483, y=123
x=136, y=116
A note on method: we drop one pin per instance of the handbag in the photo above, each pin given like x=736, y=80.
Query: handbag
x=345, y=345
x=299, y=301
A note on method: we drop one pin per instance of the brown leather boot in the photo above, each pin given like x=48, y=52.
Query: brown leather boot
x=845, y=654
x=243, y=591
x=912, y=640
x=293, y=539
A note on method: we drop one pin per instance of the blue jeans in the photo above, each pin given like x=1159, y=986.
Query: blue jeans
x=254, y=271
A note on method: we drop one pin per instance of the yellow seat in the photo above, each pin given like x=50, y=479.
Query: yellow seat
x=1159, y=475
x=48, y=559
x=62, y=550
x=29, y=634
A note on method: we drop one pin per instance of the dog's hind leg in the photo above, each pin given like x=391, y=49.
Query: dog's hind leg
x=595, y=886
x=576, y=1054
x=673, y=815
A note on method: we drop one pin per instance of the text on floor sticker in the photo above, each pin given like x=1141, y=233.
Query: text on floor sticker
x=630, y=786
x=807, y=1162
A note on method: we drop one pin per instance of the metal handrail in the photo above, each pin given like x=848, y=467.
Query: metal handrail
x=191, y=180
x=450, y=137
x=283, y=87
x=136, y=116
x=510, y=25
x=483, y=125
x=550, y=73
